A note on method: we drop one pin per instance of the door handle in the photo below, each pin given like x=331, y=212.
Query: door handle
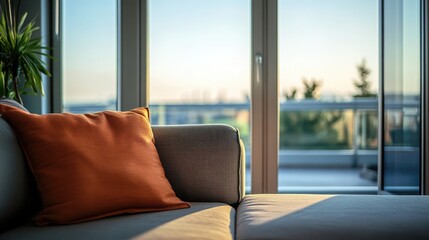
x=258, y=69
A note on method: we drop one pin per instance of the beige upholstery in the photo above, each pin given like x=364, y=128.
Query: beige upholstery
x=201, y=221
x=202, y=162
x=296, y=217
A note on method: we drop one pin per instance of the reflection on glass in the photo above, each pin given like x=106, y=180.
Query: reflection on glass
x=199, y=64
x=89, y=55
x=328, y=84
x=367, y=129
x=401, y=148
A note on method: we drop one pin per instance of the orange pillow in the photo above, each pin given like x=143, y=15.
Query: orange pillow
x=90, y=166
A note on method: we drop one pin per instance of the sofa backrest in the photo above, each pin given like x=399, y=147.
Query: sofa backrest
x=18, y=194
x=204, y=163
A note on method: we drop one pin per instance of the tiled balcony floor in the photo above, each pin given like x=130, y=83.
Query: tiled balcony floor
x=322, y=177
x=322, y=180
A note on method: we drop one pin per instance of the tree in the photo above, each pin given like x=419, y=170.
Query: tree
x=304, y=129
x=363, y=87
x=311, y=88
x=290, y=95
x=363, y=83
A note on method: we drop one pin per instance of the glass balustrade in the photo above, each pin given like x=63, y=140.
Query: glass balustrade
x=334, y=135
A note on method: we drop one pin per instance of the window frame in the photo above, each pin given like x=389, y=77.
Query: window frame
x=133, y=85
x=264, y=100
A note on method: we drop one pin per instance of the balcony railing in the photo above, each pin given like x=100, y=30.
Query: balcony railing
x=324, y=146
x=311, y=132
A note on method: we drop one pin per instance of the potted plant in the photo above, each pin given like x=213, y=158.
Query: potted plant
x=21, y=67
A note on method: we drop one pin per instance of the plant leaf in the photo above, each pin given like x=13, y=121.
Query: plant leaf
x=20, y=54
x=2, y=84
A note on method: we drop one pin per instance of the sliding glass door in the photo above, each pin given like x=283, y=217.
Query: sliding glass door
x=319, y=89
x=199, y=64
x=400, y=149
x=311, y=84
x=328, y=95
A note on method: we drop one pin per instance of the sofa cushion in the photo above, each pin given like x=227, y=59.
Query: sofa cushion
x=89, y=166
x=349, y=217
x=201, y=221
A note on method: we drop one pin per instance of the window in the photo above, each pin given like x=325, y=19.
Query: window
x=328, y=85
x=326, y=77
x=199, y=63
x=89, y=55
x=244, y=62
x=401, y=99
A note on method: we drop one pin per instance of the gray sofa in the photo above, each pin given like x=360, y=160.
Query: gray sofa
x=205, y=165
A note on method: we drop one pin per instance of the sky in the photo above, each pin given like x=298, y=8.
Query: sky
x=199, y=50
x=403, y=50
x=325, y=40
x=89, y=52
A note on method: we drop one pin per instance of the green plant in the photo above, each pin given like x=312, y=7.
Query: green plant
x=20, y=63
x=2, y=80
x=363, y=84
x=291, y=94
x=315, y=129
x=311, y=88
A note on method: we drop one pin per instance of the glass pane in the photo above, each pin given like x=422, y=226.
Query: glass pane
x=199, y=64
x=89, y=32
x=328, y=84
x=401, y=163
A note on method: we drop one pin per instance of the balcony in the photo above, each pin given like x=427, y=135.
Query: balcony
x=324, y=146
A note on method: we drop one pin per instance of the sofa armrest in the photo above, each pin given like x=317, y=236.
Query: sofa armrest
x=204, y=163
x=18, y=193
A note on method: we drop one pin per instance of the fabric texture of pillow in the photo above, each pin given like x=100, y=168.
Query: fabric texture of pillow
x=90, y=166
